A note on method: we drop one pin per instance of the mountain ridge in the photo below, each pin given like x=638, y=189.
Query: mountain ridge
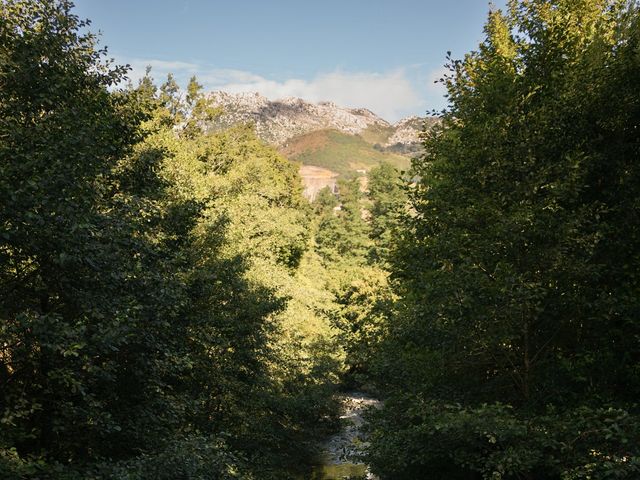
x=327, y=140
x=277, y=121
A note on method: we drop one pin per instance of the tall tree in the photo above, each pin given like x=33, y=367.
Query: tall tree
x=171, y=98
x=342, y=234
x=386, y=192
x=519, y=266
x=72, y=290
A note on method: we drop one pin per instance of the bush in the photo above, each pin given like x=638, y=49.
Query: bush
x=495, y=442
x=193, y=458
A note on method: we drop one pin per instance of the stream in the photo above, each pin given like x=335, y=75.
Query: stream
x=340, y=453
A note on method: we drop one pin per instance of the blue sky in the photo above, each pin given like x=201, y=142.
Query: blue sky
x=382, y=55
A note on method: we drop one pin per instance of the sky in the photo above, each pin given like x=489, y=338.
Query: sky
x=383, y=55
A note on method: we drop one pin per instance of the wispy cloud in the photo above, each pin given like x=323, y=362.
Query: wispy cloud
x=160, y=68
x=391, y=94
x=388, y=94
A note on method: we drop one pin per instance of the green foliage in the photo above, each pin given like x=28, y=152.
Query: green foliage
x=325, y=201
x=524, y=219
x=388, y=199
x=147, y=268
x=199, y=111
x=496, y=442
x=75, y=296
x=173, y=308
x=170, y=99
x=342, y=234
x=362, y=308
x=339, y=152
x=268, y=391
x=351, y=242
x=197, y=458
x=518, y=263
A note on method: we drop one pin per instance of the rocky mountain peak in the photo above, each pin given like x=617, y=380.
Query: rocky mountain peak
x=276, y=121
x=327, y=139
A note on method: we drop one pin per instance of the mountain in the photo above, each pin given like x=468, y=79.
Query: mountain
x=342, y=141
x=279, y=120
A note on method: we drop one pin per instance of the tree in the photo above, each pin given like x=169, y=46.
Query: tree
x=132, y=339
x=170, y=98
x=325, y=201
x=362, y=308
x=389, y=201
x=520, y=256
x=74, y=294
x=199, y=111
x=342, y=234
x=233, y=229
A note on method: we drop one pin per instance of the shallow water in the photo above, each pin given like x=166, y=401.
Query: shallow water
x=339, y=472
x=340, y=458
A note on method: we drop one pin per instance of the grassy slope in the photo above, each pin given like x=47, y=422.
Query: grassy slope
x=377, y=134
x=340, y=152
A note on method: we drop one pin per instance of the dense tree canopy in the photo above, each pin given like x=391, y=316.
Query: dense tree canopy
x=172, y=307
x=141, y=327
x=519, y=265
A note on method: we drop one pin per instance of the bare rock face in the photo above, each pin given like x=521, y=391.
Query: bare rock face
x=406, y=131
x=279, y=120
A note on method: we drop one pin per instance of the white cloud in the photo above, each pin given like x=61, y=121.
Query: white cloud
x=391, y=95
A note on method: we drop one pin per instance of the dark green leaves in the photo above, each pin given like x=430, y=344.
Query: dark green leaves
x=512, y=263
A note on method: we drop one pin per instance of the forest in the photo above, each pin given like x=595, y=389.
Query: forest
x=172, y=307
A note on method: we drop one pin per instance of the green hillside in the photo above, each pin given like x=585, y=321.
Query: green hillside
x=377, y=133
x=340, y=152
